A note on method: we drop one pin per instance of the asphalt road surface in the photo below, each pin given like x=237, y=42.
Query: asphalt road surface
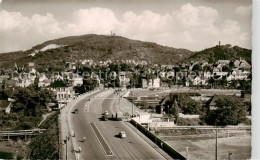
x=102, y=141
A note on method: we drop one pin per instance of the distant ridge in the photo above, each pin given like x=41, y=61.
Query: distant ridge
x=103, y=47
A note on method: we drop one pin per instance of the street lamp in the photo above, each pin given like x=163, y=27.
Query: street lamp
x=168, y=113
x=187, y=150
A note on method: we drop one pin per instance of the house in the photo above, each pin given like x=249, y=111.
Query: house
x=196, y=80
x=167, y=67
x=156, y=83
x=44, y=83
x=151, y=83
x=32, y=68
x=72, y=65
x=11, y=83
x=3, y=78
x=94, y=76
x=240, y=74
x=246, y=97
x=57, y=77
x=203, y=80
x=77, y=80
x=5, y=106
x=25, y=82
x=162, y=74
x=225, y=62
x=230, y=77
x=220, y=74
x=236, y=63
x=170, y=74
x=64, y=94
x=215, y=98
x=244, y=65
x=207, y=75
x=123, y=79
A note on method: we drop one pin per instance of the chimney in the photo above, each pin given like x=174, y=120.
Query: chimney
x=219, y=43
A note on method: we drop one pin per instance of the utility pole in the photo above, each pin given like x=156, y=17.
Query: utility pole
x=119, y=98
x=229, y=154
x=132, y=107
x=216, y=149
x=66, y=141
x=168, y=113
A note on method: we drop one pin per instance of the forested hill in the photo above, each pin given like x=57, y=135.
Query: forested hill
x=55, y=53
x=100, y=47
x=223, y=52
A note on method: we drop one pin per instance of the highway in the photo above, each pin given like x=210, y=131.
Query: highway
x=102, y=141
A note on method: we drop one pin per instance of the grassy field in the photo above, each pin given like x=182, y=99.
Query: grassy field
x=10, y=150
x=205, y=149
x=163, y=92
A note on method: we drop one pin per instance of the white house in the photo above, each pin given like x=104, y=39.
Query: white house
x=77, y=80
x=151, y=83
x=64, y=94
x=44, y=83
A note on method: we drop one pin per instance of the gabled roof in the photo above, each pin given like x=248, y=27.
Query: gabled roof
x=9, y=93
x=4, y=104
x=165, y=100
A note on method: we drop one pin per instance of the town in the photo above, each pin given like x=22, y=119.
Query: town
x=158, y=97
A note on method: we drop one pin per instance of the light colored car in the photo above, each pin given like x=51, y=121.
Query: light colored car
x=106, y=113
x=122, y=134
x=73, y=134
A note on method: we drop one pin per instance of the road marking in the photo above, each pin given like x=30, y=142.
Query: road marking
x=101, y=140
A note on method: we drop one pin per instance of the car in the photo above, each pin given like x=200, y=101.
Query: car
x=73, y=134
x=122, y=134
x=106, y=113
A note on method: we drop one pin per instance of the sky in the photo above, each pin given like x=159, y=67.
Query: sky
x=189, y=24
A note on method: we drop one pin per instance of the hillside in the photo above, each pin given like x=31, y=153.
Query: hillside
x=53, y=55
x=98, y=47
x=223, y=52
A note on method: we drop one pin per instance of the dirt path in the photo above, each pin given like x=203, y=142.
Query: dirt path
x=44, y=117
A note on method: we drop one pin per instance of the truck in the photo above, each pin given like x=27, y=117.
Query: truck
x=119, y=116
x=104, y=117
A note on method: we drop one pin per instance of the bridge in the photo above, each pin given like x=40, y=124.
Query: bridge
x=18, y=133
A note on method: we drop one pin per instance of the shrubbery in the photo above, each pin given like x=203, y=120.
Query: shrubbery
x=46, y=145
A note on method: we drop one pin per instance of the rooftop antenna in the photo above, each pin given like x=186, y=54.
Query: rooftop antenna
x=112, y=34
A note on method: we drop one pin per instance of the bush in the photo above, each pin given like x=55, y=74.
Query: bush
x=188, y=121
x=6, y=155
x=46, y=145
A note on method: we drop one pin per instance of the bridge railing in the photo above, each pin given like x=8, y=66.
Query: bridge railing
x=21, y=132
x=164, y=146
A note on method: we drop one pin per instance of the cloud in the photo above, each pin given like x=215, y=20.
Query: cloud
x=93, y=20
x=190, y=27
x=244, y=10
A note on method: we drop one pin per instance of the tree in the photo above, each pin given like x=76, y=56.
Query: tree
x=226, y=68
x=196, y=67
x=58, y=83
x=32, y=101
x=182, y=102
x=227, y=113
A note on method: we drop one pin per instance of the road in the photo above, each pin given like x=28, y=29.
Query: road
x=101, y=140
